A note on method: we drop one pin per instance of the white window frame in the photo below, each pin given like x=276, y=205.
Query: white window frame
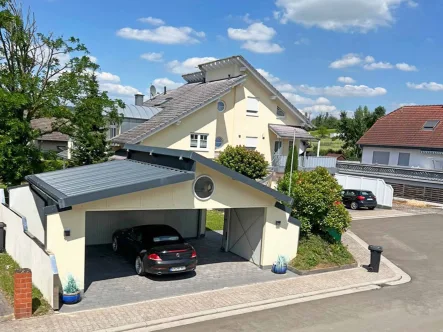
x=199, y=138
x=250, y=112
x=280, y=116
x=251, y=147
x=113, y=128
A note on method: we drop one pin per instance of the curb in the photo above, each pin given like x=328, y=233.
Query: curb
x=328, y=269
x=400, y=277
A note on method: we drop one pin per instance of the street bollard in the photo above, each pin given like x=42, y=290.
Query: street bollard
x=376, y=251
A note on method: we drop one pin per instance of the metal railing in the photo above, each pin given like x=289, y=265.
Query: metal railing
x=391, y=171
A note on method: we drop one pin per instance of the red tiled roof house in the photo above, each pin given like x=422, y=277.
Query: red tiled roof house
x=411, y=136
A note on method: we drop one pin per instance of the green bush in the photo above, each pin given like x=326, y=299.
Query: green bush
x=288, y=161
x=317, y=201
x=247, y=162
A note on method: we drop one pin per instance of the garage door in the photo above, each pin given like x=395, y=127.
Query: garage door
x=100, y=225
x=245, y=233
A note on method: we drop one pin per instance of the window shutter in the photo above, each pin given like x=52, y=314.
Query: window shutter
x=252, y=105
x=251, y=142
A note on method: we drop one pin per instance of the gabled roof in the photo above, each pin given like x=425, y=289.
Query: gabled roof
x=404, y=128
x=145, y=168
x=138, y=112
x=45, y=125
x=176, y=105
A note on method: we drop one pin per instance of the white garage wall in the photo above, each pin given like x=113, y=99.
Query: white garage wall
x=100, y=225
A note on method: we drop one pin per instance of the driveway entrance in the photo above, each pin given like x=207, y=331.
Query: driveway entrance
x=110, y=279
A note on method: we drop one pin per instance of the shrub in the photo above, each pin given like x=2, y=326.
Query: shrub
x=317, y=201
x=247, y=162
x=288, y=161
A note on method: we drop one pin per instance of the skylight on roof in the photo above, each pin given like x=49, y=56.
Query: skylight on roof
x=430, y=124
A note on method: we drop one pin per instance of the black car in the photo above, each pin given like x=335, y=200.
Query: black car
x=356, y=199
x=158, y=249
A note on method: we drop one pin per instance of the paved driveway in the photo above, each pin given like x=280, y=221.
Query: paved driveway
x=414, y=243
x=110, y=279
x=5, y=309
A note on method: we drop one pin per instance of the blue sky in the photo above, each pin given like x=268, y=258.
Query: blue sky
x=325, y=55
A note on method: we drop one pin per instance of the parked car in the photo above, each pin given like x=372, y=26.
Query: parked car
x=157, y=249
x=356, y=199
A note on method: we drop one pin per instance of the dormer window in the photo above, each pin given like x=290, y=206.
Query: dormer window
x=430, y=124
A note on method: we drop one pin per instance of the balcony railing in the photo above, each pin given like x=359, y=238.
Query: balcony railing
x=304, y=163
x=418, y=174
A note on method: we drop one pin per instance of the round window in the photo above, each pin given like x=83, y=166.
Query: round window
x=221, y=106
x=218, y=142
x=203, y=187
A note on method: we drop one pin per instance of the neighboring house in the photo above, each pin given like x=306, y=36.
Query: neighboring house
x=411, y=136
x=226, y=102
x=54, y=141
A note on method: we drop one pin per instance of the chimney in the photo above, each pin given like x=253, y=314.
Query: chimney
x=164, y=90
x=139, y=99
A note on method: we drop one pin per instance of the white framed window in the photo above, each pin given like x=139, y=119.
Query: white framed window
x=113, y=130
x=280, y=113
x=252, y=106
x=251, y=142
x=199, y=141
x=221, y=106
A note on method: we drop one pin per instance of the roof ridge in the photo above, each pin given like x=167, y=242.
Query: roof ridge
x=155, y=165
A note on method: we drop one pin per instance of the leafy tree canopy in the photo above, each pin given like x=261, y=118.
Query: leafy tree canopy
x=40, y=76
x=351, y=129
x=325, y=120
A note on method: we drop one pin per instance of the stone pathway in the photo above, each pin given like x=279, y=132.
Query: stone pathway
x=6, y=311
x=196, y=303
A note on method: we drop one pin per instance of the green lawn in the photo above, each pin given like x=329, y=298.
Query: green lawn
x=316, y=253
x=214, y=220
x=7, y=268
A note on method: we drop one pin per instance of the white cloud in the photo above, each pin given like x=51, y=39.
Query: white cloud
x=247, y=18
x=347, y=60
x=107, y=77
x=271, y=78
x=346, y=79
x=340, y=15
x=188, y=66
x=160, y=83
x=257, y=38
x=430, y=86
x=300, y=100
x=343, y=91
x=285, y=87
x=163, y=35
x=378, y=65
x=369, y=59
x=320, y=108
x=93, y=58
x=302, y=41
x=263, y=47
x=152, y=20
x=256, y=31
x=152, y=57
x=412, y=4
x=405, y=67
x=118, y=89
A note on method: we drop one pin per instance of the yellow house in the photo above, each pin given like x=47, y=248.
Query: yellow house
x=226, y=102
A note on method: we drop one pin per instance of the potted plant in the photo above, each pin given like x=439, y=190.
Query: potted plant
x=71, y=293
x=280, y=266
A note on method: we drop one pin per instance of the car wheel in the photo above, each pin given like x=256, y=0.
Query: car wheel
x=139, y=268
x=371, y=208
x=354, y=206
x=115, y=246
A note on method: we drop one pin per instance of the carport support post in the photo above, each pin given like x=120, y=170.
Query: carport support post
x=226, y=224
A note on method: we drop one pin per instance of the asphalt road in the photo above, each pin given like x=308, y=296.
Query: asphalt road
x=414, y=243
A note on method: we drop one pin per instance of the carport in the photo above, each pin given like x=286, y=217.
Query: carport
x=85, y=205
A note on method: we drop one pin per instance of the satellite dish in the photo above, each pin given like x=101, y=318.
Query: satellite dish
x=152, y=91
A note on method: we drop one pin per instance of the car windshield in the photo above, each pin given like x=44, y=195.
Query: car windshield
x=367, y=193
x=165, y=238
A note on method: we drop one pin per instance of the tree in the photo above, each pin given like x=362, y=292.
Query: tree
x=294, y=163
x=317, y=201
x=323, y=132
x=247, y=162
x=325, y=120
x=40, y=75
x=352, y=129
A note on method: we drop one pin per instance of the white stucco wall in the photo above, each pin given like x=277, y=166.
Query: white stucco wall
x=416, y=159
x=28, y=204
x=278, y=240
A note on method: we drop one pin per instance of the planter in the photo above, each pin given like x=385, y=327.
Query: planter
x=279, y=269
x=72, y=298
